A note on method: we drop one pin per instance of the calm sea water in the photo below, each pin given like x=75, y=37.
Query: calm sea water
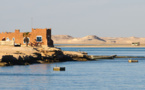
x=106, y=74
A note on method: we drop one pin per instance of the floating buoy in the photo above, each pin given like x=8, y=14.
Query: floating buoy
x=132, y=61
x=59, y=69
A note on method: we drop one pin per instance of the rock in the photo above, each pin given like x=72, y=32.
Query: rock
x=29, y=55
x=3, y=64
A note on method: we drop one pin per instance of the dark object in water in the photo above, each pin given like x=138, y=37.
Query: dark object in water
x=130, y=57
x=104, y=57
x=59, y=69
x=130, y=61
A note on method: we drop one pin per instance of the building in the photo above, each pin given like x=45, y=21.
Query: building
x=136, y=43
x=38, y=35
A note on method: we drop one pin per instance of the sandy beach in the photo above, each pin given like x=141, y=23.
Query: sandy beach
x=12, y=50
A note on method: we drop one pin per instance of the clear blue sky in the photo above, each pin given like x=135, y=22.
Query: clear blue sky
x=78, y=18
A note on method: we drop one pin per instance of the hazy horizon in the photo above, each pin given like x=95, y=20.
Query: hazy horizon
x=77, y=18
x=101, y=36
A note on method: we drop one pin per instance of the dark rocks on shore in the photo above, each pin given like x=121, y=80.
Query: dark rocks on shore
x=42, y=56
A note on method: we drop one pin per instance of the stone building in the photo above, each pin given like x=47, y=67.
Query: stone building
x=38, y=35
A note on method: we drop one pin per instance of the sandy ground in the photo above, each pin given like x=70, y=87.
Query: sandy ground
x=12, y=49
x=23, y=49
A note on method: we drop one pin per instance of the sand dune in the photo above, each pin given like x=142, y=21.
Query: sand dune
x=93, y=39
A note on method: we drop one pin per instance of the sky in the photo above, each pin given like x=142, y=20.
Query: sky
x=77, y=18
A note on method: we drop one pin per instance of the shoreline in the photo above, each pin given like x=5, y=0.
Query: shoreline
x=100, y=46
x=10, y=55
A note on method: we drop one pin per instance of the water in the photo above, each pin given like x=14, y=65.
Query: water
x=106, y=74
x=110, y=51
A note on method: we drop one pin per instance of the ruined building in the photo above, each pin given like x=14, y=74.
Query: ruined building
x=38, y=35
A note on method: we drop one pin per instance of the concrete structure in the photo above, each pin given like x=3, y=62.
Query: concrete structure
x=38, y=35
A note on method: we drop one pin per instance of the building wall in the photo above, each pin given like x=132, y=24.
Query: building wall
x=17, y=35
x=39, y=32
x=19, y=38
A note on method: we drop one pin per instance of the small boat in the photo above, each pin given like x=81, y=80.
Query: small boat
x=130, y=60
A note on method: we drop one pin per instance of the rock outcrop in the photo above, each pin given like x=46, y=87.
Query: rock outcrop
x=30, y=55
